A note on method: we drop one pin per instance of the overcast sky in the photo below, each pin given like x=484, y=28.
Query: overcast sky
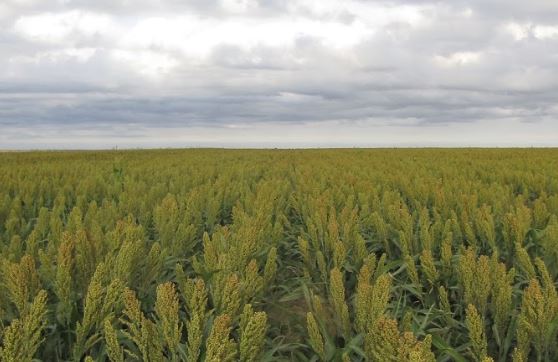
x=286, y=73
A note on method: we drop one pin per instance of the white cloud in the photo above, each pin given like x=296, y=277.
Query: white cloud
x=148, y=63
x=290, y=97
x=23, y=2
x=522, y=31
x=4, y=11
x=239, y=6
x=518, y=31
x=458, y=59
x=63, y=27
x=196, y=36
x=545, y=32
x=80, y=55
x=374, y=14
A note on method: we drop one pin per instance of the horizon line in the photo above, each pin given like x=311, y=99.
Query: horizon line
x=248, y=148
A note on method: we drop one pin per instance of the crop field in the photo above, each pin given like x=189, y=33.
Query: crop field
x=279, y=255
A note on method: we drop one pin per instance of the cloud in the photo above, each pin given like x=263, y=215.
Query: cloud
x=137, y=72
x=458, y=59
x=60, y=28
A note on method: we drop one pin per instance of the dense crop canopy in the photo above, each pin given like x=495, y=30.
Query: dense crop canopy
x=246, y=255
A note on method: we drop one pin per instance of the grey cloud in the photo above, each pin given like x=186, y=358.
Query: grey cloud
x=397, y=76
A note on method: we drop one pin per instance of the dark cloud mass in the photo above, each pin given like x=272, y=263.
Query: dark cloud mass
x=278, y=73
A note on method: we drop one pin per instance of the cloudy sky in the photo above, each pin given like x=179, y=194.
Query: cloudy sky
x=278, y=73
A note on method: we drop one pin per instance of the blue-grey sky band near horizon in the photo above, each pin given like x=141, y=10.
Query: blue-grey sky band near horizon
x=278, y=73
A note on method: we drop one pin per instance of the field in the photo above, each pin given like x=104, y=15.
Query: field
x=279, y=255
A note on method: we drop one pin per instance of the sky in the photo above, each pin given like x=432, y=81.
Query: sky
x=278, y=73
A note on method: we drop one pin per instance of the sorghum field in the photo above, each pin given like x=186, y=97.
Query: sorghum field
x=279, y=255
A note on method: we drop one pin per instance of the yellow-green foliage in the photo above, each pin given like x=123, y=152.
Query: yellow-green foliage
x=337, y=298
x=474, y=274
x=21, y=281
x=475, y=325
x=219, y=345
x=502, y=293
x=279, y=255
x=538, y=316
x=384, y=342
x=167, y=307
x=253, y=326
x=22, y=337
x=114, y=351
x=140, y=330
x=371, y=300
x=428, y=267
x=315, y=336
x=270, y=269
x=64, y=279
